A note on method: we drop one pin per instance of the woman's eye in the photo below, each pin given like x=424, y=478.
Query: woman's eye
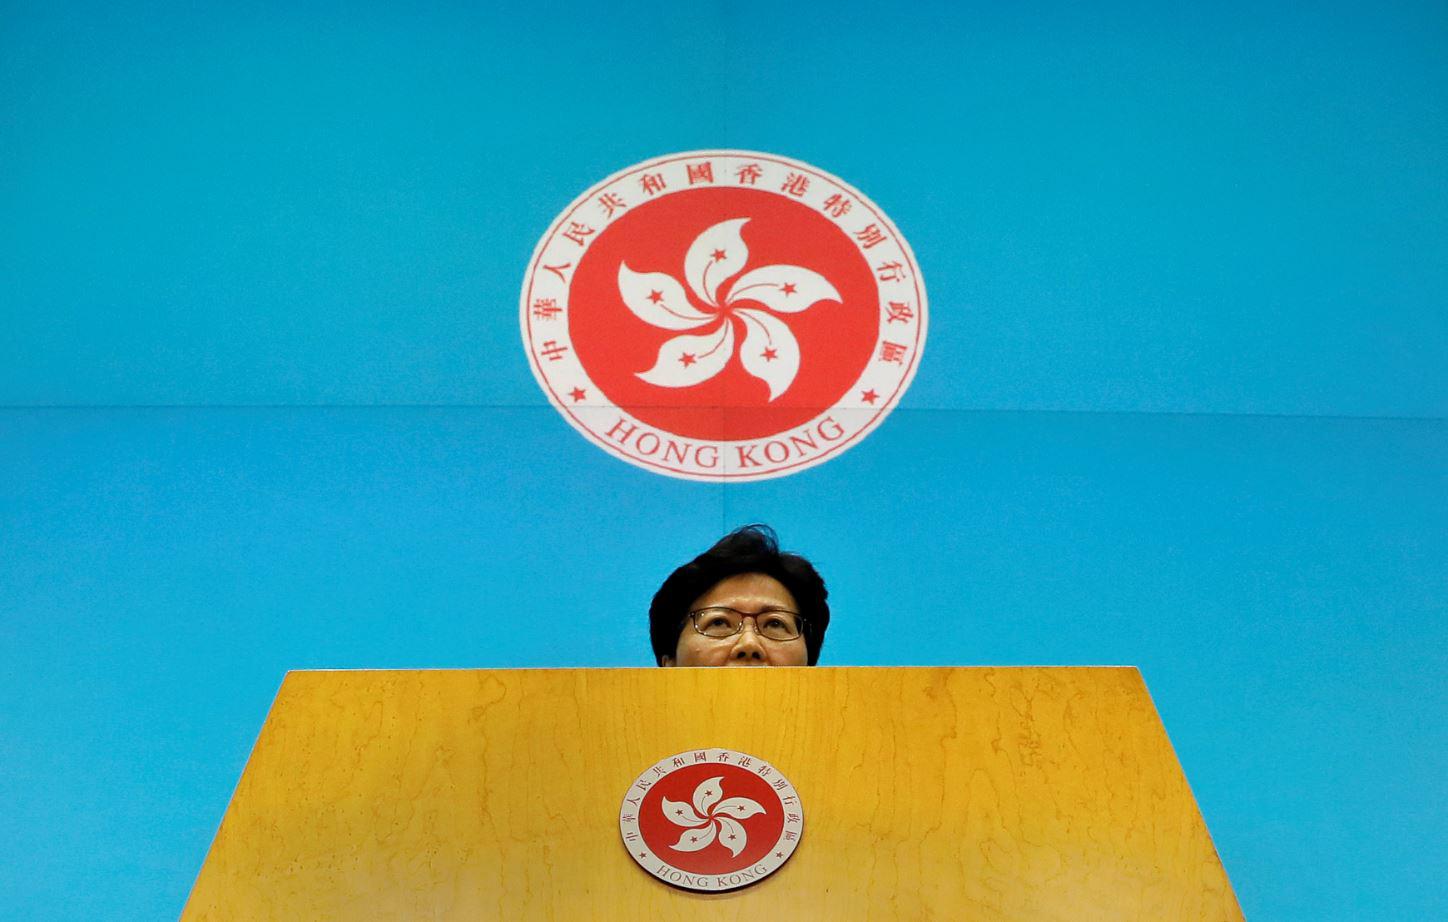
x=776, y=623
x=718, y=621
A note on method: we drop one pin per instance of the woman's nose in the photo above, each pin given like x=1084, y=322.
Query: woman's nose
x=747, y=645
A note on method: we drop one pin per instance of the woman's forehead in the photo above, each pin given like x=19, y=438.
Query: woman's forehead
x=747, y=592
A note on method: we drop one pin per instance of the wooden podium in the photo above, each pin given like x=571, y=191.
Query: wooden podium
x=940, y=793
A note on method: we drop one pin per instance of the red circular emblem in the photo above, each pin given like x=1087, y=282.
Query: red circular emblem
x=723, y=315
x=711, y=819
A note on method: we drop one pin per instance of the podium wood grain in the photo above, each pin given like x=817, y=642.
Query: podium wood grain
x=959, y=794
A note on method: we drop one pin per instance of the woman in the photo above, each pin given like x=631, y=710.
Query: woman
x=741, y=603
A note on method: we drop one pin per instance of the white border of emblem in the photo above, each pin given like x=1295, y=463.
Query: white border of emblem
x=888, y=374
x=646, y=858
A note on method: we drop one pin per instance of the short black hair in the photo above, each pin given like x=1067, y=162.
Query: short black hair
x=751, y=549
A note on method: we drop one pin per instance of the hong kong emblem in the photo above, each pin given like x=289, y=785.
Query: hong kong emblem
x=723, y=315
x=711, y=819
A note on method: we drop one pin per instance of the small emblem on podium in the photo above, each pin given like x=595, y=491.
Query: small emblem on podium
x=711, y=819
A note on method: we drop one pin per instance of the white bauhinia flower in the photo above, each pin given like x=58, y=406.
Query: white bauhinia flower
x=709, y=818
x=769, y=351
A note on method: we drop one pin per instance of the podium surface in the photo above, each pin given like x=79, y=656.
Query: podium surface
x=928, y=793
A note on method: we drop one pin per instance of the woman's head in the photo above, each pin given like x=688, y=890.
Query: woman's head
x=742, y=602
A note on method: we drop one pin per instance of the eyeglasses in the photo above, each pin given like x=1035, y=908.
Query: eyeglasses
x=771, y=624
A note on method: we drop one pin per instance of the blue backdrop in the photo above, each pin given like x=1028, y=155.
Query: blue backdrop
x=1182, y=404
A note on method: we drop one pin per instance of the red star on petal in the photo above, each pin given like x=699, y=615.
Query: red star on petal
x=578, y=394
x=656, y=296
x=718, y=255
x=869, y=396
x=688, y=359
x=769, y=355
x=787, y=288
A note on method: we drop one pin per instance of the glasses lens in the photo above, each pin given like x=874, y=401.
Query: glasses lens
x=778, y=625
x=717, y=622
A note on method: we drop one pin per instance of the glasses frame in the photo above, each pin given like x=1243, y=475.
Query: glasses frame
x=799, y=619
